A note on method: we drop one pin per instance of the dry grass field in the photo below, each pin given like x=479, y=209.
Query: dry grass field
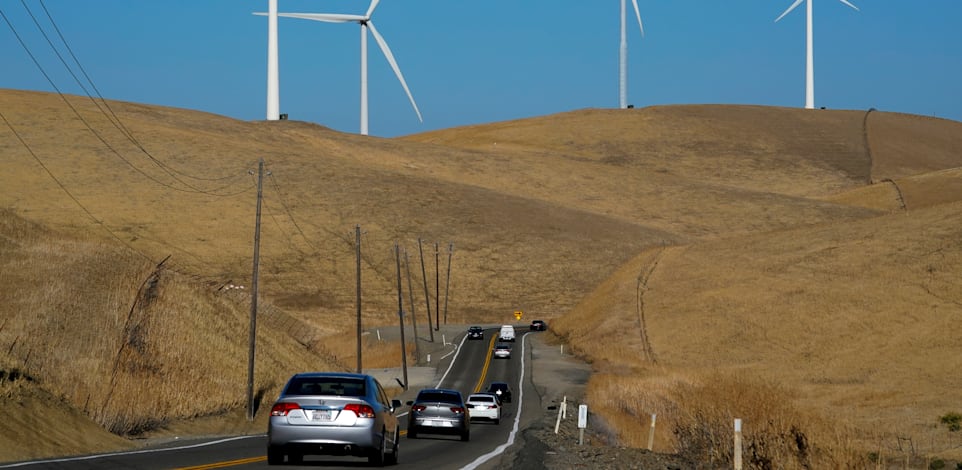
x=796, y=269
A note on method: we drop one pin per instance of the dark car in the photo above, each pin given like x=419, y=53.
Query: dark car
x=333, y=413
x=475, y=332
x=500, y=389
x=439, y=411
x=538, y=325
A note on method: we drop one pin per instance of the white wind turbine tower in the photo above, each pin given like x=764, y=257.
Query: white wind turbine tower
x=623, y=57
x=366, y=23
x=273, y=81
x=809, y=53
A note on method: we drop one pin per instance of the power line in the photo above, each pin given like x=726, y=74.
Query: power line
x=67, y=191
x=87, y=124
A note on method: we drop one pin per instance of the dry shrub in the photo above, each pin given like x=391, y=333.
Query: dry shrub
x=776, y=434
x=700, y=414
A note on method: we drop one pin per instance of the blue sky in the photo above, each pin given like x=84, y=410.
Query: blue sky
x=476, y=62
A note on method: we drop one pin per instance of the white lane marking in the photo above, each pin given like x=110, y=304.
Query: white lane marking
x=517, y=420
x=134, y=452
x=456, y=351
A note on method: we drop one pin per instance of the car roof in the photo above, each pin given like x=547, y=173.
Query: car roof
x=482, y=395
x=340, y=375
x=475, y=328
x=498, y=384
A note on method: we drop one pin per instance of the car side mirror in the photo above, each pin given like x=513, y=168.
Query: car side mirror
x=410, y=402
x=395, y=404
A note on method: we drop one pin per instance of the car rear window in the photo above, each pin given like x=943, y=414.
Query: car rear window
x=486, y=398
x=326, y=386
x=438, y=397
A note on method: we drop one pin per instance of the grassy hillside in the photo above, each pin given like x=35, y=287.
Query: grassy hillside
x=793, y=246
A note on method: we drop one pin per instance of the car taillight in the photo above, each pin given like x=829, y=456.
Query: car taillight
x=457, y=409
x=361, y=410
x=418, y=408
x=281, y=409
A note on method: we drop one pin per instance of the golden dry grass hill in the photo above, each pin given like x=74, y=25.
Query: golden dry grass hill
x=806, y=259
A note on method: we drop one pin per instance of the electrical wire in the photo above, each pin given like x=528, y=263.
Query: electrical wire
x=111, y=115
x=87, y=124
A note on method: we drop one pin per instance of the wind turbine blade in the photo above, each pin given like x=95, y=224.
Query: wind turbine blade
x=849, y=4
x=638, y=15
x=370, y=9
x=325, y=17
x=794, y=5
x=397, y=70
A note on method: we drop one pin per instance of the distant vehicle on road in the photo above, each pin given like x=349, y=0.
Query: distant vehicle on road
x=538, y=325
x=439, y=411
x=475, y=332
x=506, y=333
x=484, y=406
x=333, y=413
x=502, y=351
x=500, y=389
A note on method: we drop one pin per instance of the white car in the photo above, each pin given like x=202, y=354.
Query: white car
x=506, y=333
x=502, y=351
x=484, y=406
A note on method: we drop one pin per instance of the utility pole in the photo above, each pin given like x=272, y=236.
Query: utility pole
x=400, y=314
x=427, y=297
x=253, y=328
x=357, y=249
x=437, y=288
x=414, y=317
x=447, y=283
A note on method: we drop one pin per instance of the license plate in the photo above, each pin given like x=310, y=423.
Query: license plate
x=321, y=415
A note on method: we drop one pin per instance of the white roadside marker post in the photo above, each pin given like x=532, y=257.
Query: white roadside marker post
x=651, y=432
x=738, y=444
x=562, y=413
x=582, y=423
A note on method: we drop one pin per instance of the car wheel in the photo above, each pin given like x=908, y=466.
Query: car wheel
x=497, y=420
x=393, y=457
x=295, y=458
x=412, y=433
x=274, y=456
x=377, y=456
x=465, y=436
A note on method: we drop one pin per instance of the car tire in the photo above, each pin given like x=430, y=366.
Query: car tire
x=275, y=456
x=465, y=436
x=497, y=420
x=376, y=458
x=412, y=433
x=295, y=459
x=392, y=458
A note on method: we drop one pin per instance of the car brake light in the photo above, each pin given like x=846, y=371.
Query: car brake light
x=418, y=408
x=282, y=409
x=360, y=409
x=457, y=409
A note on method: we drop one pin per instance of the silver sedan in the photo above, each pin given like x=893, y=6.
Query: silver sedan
x=333, y=413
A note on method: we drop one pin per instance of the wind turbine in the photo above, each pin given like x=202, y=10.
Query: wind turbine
x=273, y=81
x=623, y=59
x=809, y=53
x=366, y=24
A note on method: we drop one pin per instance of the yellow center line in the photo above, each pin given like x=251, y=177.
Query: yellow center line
x=229, y=463
x=484, y=370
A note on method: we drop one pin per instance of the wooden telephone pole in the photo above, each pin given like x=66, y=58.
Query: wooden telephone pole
x=253, y=326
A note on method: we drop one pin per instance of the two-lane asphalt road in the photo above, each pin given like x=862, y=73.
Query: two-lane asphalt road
x=471, y=368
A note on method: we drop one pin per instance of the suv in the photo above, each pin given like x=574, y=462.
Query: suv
x=538, y=325
x=507, y=333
